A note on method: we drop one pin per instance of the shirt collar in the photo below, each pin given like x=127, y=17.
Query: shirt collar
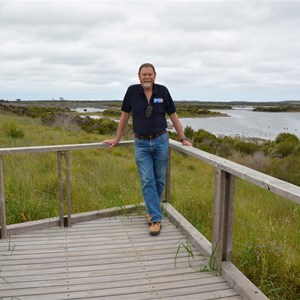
x=154, y=89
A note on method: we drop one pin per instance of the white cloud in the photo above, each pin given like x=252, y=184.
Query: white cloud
x=203, y=50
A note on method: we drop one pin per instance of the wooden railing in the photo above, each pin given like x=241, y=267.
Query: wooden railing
x=224, y=188
x=224, y=191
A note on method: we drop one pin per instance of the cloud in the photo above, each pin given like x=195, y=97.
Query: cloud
x=203, y=50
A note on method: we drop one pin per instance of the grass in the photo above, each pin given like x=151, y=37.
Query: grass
x=266, y=241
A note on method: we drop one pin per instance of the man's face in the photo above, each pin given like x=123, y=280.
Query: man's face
x=147, y=77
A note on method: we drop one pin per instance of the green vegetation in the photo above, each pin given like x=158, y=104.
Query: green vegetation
x=279, y=158
x=266, y=228
x=112, y=113
x=194, y=112
x=11, y=130
x=280, y=108
x=31, y=111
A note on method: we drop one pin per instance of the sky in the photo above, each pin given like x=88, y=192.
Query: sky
x=216, y=50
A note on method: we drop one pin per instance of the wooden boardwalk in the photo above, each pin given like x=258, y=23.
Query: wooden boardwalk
x=107, y=258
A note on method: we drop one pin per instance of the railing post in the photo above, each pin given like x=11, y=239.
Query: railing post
x=60, y=189
x=62, y=221
x=223, y=217
x=2, y=203
x=168, y=180
x=68, y=192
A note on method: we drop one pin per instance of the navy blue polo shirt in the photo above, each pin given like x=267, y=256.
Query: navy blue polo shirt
x=135, y=101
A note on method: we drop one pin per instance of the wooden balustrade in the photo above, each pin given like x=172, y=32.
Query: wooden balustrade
x=224, y=188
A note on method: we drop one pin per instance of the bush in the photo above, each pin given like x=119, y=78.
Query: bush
x=189, y=132
x=202, y=135
x=246, y=147
x=64, y=120
x=284, y=137
x=284, y=149
x=12, y=131
x=224, y=149
x=286, y=144
x=100, y=126
x=112, y=113
x=286, y=169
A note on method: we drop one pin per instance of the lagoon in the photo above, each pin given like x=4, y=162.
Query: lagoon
x=241, y=122
x=246, y=123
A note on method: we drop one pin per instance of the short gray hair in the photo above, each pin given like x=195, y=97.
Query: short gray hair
x=148, y=65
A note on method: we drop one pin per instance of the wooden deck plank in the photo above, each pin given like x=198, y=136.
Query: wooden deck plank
x=109, y=258
x=128, y=284
x=138, y=274
x=139, y=271
x=21, y=259
x=103, y=251
x=224, y=295
x=85, y=240
x=149, y=291
x=118, y=235
x=68, y=263
x=6, y=270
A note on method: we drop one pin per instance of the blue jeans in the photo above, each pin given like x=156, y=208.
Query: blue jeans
x=151, y=157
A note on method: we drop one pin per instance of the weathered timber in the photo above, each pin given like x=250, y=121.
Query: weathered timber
x=2, y=203
x=111, y=258
x=76, y=218
x=223, y=217
x=277, y=186
x=237, y=279
x=225, y=173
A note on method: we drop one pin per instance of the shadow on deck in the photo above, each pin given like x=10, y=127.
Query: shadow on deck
x=110, y=255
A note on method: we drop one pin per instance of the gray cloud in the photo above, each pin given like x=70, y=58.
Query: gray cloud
x=203, y=50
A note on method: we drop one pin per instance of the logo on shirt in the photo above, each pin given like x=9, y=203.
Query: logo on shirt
x=158, y=100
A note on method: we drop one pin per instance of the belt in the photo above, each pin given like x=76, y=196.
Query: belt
x=149, y=137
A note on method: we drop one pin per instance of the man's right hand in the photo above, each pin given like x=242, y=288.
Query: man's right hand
x=111, y=143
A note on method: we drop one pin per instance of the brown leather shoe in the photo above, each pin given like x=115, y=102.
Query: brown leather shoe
x=155, y=228
x=148, y=217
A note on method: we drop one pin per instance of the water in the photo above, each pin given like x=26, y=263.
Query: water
x=247, y=123
x=88, y=110
x=242, y=122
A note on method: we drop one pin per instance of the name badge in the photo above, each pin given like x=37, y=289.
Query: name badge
x=158, y=100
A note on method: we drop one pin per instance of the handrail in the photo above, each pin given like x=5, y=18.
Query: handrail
x=224, y=189
x=62, y=152
x=277, y=186
x=55, y=148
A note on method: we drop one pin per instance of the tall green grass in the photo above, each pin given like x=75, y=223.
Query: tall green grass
x=266, y=243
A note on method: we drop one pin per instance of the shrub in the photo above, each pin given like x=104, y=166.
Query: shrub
x=224, y=149
x=12, y=131
x=285, y=149
x=64, y=120
x=202, y=135
x=246, y=147
x=286, y=169
x=100, y=126
x=285, y=144
x=283, y=137
x=112, y=112
x=189, y=132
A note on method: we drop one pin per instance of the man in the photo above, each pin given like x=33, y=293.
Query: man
x=149, y=102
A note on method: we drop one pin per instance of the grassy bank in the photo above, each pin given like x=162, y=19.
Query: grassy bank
x=266, y=230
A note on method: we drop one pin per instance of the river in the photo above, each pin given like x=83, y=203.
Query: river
x=247, y=123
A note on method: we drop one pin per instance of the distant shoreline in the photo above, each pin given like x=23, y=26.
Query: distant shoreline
x=266, y=106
